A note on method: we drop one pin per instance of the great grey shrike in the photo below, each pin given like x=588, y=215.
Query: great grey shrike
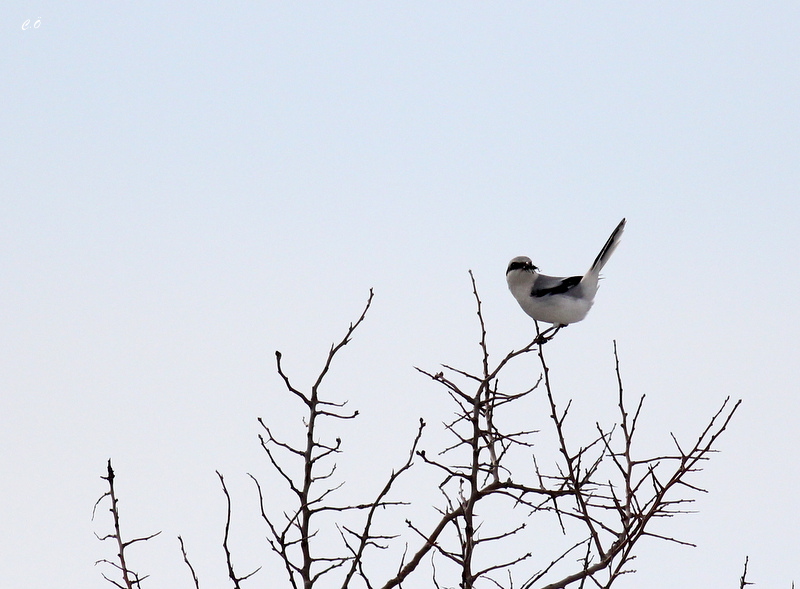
x=554, y=299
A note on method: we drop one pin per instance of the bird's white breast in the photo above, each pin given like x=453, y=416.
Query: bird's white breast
x=557, y=309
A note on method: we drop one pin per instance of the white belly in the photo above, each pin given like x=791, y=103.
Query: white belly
x=555, y=309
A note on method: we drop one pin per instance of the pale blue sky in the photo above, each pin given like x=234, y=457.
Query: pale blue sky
x=187, y=188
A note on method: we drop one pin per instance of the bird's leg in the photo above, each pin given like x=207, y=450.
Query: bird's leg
x=546, y=335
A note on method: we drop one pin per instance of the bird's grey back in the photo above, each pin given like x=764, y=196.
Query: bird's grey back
x=551, y=285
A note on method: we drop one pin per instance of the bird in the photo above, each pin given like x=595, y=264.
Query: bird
x=554, y=299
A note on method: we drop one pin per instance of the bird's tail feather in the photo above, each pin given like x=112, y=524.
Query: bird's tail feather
x=608, y=249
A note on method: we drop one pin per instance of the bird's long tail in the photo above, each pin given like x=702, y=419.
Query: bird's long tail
x=608, y=249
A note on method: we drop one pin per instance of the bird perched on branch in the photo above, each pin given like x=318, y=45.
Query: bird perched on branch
x=554, y=299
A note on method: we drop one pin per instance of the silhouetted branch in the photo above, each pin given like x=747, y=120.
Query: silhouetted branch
x=188, y=564
x=743, y=582
x=614, y=512
x=638, y=499
x=597, y=492
x=231, y=573
x=130, y=578
x=292, y=535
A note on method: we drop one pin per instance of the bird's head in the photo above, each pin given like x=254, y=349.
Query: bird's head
x=521, y=273
x=521, y=264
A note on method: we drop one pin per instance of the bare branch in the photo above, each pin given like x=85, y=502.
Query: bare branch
x=604, y=497
x=743, y=582
x=231, y=573
x=188, y=564
x=130, y=578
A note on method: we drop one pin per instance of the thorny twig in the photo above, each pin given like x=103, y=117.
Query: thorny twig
x=291, y=536
x=614, y=512
x=743, y=582
x=130, y=578
x=189, y=564
x=231, y=573
x=613, y=496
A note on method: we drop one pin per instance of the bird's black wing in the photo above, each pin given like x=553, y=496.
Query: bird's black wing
x=543, y=288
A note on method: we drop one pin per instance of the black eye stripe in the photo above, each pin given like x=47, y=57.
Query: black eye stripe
x=520, y=266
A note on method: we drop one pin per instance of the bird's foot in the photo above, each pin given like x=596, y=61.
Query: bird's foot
x=547, y=334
